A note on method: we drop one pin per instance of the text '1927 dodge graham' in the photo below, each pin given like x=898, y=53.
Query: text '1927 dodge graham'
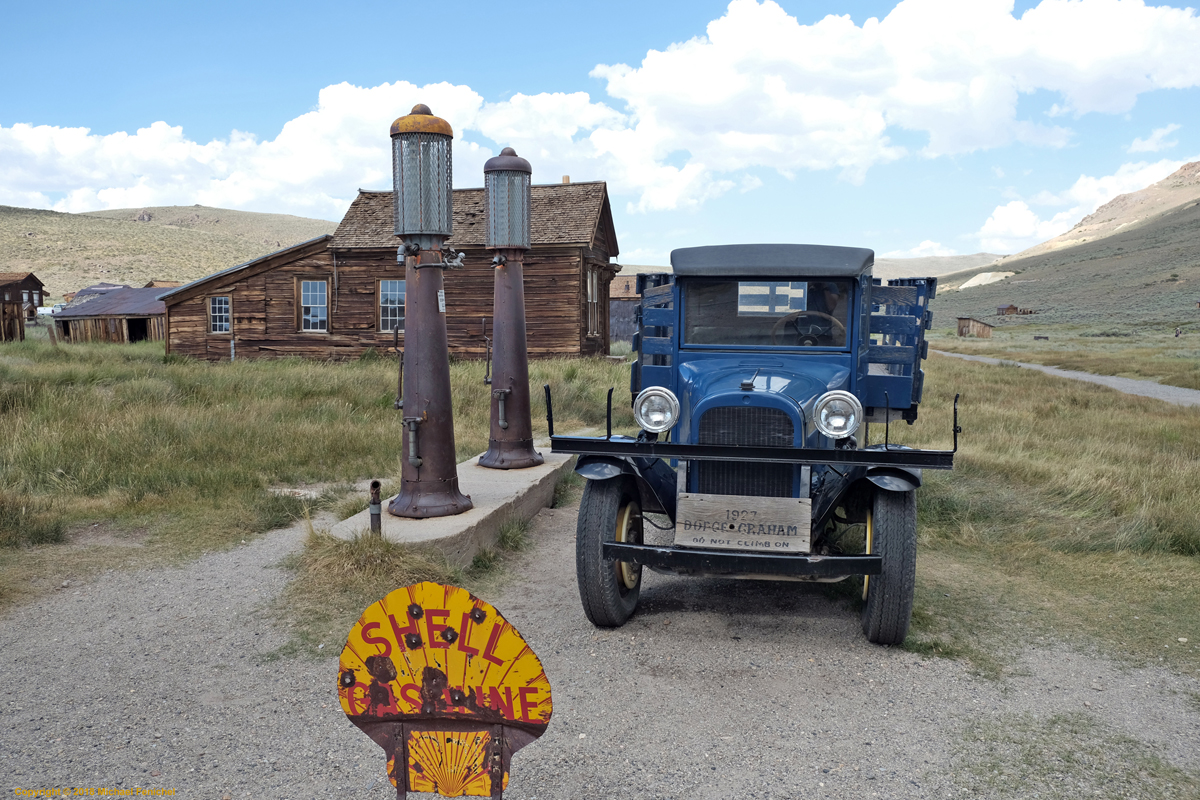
x=758, y=370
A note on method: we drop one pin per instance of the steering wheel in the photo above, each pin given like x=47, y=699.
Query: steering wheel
x=778, y=327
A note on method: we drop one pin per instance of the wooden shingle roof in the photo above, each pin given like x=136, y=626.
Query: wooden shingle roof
x=15, y=277
x=567, y=213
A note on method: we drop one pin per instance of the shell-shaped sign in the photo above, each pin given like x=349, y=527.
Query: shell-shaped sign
x=446, y=686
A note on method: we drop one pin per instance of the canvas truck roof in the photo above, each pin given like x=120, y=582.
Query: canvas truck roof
x=771, y=260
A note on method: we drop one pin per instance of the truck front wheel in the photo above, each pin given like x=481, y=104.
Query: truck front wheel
x=609, y=512
x=888, y=597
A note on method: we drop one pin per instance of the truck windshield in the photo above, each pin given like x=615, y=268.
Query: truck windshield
x=780, y=313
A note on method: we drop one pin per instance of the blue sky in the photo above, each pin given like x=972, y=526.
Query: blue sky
x=921, y=127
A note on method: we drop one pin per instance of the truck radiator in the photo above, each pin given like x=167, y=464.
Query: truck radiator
x=750, y=426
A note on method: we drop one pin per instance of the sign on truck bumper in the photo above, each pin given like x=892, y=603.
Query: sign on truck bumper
x=728, y=522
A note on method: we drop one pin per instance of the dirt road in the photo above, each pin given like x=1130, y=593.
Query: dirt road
x=714, y=689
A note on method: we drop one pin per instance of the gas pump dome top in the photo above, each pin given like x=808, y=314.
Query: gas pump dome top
x=421, y=120
x=507, y=161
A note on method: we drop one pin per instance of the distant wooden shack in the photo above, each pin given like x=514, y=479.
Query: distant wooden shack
x=1009, y=310
x=120, y=316
x=968, y=326
x=337, y=296
x=20, y=295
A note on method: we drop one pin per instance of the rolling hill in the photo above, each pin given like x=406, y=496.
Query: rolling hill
x=134, y=246
x=1142, y=274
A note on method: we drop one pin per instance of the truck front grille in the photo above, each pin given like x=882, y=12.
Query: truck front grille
x=747, y=426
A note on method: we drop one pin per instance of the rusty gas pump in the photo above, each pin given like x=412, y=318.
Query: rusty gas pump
x=506, y=181
x=422, y=176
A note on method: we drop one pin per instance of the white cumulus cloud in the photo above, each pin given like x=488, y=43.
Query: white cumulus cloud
x=758, y=90
x=1155, y=141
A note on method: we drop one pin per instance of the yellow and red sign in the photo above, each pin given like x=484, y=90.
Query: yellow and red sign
x=446, y=686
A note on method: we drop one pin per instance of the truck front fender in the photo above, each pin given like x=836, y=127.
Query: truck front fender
x=654, y=478
x=895, y=479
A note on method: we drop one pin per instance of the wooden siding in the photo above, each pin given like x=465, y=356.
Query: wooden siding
x=973, y=327
x=109, y=329
x=264, y=311
x=12, y=321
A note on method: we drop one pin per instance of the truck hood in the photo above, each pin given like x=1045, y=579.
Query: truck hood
x=713, y=382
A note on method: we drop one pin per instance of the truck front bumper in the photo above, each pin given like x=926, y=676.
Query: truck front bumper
x=694, y=561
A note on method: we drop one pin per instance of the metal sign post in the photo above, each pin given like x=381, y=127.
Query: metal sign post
x=446, y=686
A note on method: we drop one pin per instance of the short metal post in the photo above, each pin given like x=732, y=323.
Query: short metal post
x=375, y=509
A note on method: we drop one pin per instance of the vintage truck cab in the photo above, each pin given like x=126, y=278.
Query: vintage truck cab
x=759, y=368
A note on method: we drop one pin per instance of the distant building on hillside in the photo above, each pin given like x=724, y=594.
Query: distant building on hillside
x=20, y=295
x=121, y=315
x=968, y=326
x=335, y=297
x=157, y=284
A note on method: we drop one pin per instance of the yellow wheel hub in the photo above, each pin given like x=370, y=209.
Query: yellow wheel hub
x=626, y=519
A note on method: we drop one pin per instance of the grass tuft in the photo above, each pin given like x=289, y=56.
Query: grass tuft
x=337, y=578
x=514, y=534
x=26, y=521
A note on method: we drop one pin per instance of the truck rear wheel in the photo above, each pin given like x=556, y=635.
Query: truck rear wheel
x=609, y=512
x=888, y=597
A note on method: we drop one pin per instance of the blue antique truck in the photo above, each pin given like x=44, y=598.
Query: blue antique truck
x=759, y=369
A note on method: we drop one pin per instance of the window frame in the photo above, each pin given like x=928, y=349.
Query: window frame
x=208, y=312
x=379, y=303
x=298, y=297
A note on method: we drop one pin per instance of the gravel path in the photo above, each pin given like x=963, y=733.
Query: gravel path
x=1171, y=394
x=714, y=689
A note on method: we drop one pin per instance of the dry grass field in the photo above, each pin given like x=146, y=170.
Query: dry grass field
x=1070, y=514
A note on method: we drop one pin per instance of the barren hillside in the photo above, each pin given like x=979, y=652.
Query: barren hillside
x=1126, y=211
x=134, y=246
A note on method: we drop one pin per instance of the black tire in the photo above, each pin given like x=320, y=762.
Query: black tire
x=607, y=598
x=888, y=597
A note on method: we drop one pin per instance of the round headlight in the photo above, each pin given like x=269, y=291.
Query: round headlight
x=656, y=409
x=837, y=414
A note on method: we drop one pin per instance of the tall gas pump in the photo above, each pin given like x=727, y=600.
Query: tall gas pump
x=507, y=188
x=423, y=207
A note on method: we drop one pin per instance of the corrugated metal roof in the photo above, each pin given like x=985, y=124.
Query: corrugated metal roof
x=116, y=303
x=560, y=213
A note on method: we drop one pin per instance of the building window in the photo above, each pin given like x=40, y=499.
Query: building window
x=25, y=296
x=593, y=302
x=218, y=315
x=37, y=297
x=391, y=305
x=314, y=306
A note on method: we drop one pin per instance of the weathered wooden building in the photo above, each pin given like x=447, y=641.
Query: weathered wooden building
x=968, y=326
x=121, y=316
x=20, y=295
x=337, y=296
